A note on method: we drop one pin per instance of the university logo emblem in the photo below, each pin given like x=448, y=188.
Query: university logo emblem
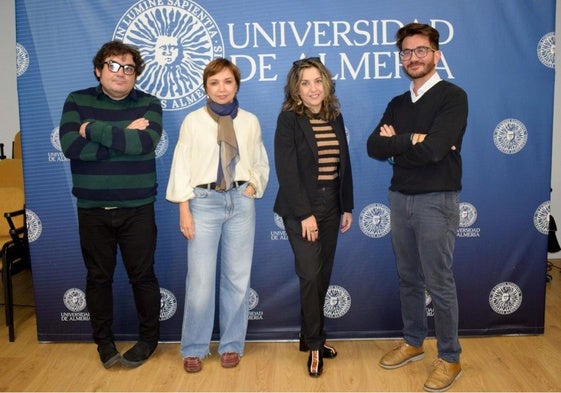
x=468, y=214
x=337, y=302
x=278, y=221
x=505, y=298
x=546, y=50
x=374, y=220
x=168, y=304
x=510, y=136
x=253, y=298
x=74, y=299
x=541, y=217
x=176, y=41
x=55, y=139
x=34, y=226
x=22, y=60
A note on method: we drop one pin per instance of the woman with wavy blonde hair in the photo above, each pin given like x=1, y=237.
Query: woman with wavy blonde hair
x=315, y=197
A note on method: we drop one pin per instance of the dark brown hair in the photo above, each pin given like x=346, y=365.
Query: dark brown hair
x=118, y=48
x=418, y=28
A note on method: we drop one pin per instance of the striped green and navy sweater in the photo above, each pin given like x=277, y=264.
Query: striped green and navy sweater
x=113, y=166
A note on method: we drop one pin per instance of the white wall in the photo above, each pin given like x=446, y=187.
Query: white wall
x=9, y=123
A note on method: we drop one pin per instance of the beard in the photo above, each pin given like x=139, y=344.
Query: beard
x=421, y=70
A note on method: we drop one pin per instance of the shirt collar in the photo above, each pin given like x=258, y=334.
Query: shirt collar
x=433, y=80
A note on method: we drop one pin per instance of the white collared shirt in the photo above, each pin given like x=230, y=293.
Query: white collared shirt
x=426, y=87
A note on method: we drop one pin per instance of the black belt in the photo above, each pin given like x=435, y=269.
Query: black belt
x=212, y=186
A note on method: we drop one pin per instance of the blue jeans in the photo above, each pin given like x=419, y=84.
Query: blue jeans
x=423, y=235
x=225, y=219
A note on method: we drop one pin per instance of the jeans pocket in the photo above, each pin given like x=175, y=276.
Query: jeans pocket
x=200, y=192
x=241, y=191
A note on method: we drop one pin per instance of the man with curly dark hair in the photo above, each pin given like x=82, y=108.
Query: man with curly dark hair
x=110, y=133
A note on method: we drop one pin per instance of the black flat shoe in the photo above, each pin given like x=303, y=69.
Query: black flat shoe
x=138, y=354
x=329, y=352
x=108, y=354
x=315, y=363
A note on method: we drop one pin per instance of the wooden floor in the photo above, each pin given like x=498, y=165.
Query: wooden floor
x=505, y=364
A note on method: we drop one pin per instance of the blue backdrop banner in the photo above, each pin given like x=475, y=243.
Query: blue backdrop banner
x=500, y=52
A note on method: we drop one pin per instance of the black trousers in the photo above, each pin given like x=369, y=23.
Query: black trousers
x=133, y=230
x=314, y=262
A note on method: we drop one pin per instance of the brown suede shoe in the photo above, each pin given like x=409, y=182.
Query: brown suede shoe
x=443, y=376
x=401, y=355
x=229, y=359
x=192, y=364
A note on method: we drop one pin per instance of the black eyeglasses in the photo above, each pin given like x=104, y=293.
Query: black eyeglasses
x=307, y=60
x=420, y=52
x=115, y=67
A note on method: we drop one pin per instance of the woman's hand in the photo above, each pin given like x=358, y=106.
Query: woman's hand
x=310, y=229
x=186, y=222
x=250, y=191
x=346, y=222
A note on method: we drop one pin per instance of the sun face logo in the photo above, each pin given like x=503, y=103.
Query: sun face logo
x=337, y=302
x=176, y=43
x=74, y=299
x=510, y=136
x=546, y=50
x=374, y=220
x=505, y=298
x=162, y=145
x=22, y=60
x=468, y=214
x=541, y=217
x=168, y=304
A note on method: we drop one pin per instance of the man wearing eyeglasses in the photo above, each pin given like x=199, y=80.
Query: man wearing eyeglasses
x=110, y=132
x=420, y=134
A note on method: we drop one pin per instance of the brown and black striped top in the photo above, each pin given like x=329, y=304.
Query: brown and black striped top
x=328, y=151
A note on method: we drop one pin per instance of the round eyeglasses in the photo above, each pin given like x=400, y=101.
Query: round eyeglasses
x=115, y=67
x=420, y=52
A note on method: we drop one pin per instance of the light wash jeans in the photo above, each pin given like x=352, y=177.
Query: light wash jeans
x=423, y=235
x=226, y=219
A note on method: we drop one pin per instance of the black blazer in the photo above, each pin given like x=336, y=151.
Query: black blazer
x=296, y=164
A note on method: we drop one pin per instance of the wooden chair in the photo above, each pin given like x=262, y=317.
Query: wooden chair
x=15, y=246
x=11, y=173
x=16, y=146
